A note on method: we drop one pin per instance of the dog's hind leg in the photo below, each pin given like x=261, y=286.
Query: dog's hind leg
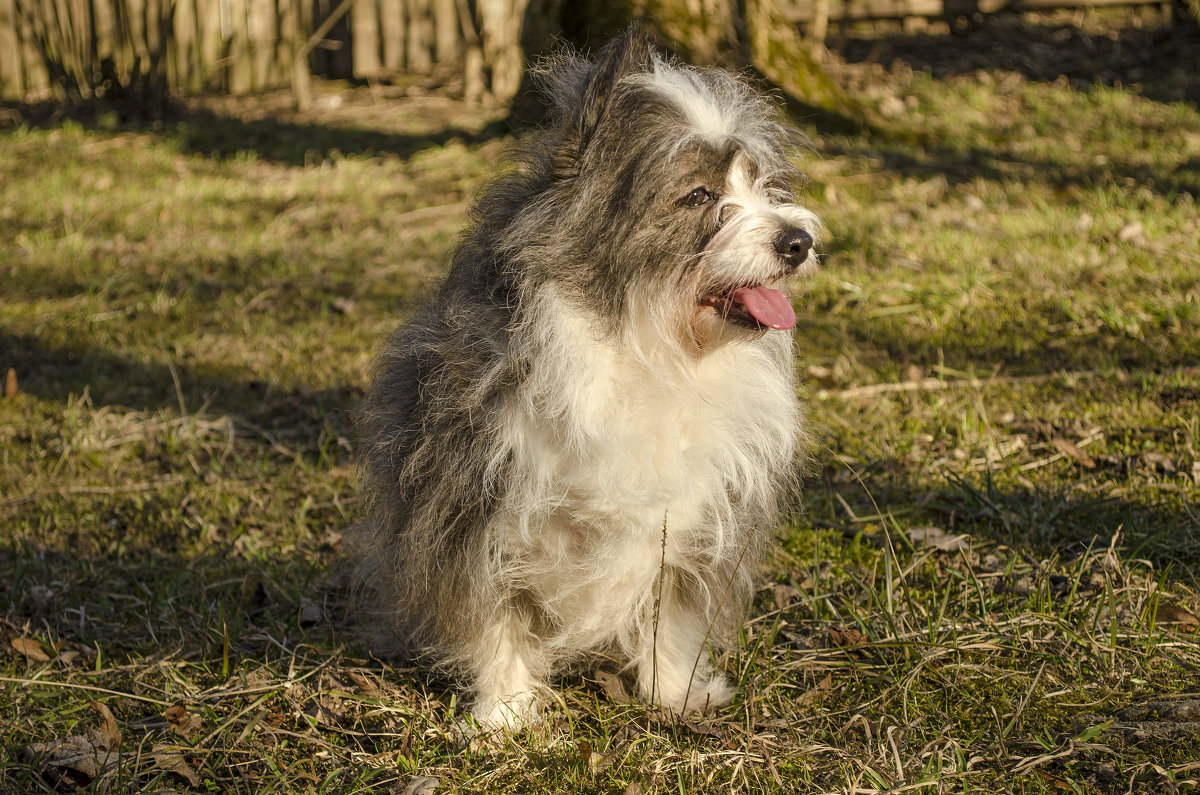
x=673, y=667
x=509, y=666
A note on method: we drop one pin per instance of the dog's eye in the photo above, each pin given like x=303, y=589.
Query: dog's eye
x=698, y=197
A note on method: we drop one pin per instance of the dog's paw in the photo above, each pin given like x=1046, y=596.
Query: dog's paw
x=506, y=713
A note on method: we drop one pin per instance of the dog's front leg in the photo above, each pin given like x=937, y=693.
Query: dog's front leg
x=673, y=667
x=507, y=672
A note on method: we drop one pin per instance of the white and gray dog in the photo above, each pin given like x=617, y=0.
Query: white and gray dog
x=580, y=442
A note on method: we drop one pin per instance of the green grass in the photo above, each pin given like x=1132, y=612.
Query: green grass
x=1002, y=344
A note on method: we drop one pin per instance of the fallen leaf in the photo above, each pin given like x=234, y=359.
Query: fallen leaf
x=785, y=594
x=1158, y=461
x=72, y=754
x=368, y=688
x=818, y=693
x=170, y=758
x=90, y=756
x=594, y=760
x=614, y=686
x=937, y=538
x=1169, y=613
x=108, y=732
x=325, y=710
x=853, y=641
x=420, y=785
x=701, y=728
x=181, y=721
x=1068, y=448
x=31, y=648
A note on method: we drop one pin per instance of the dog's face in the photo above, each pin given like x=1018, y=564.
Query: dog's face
x=672, y=205
x=755, y=239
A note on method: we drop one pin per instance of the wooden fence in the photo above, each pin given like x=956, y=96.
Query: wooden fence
x=241, y=46
x=237, y=46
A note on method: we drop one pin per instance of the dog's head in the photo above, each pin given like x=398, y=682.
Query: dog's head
x=668, y=198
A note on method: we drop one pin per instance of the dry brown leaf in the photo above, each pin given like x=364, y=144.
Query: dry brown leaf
x=182, y=722
x=31, y=648
x=91, y=756
x=937, y=538
x=853, y=641
x=368, y=688
x=107, y=733
x=701, y=728
x=421, y=785
x=594, y=760
x=170, y=758
x=72, y=754
x=1159, y=462
x=784, y=594
x=1170, y=613
x=818, y=693
x=1068, y=448
x=613, y=686
x=325, y=710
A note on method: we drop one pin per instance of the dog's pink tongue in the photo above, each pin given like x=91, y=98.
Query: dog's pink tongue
x=769, y=307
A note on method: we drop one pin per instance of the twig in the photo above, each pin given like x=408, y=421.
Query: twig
x=88, y=688
x=937, y=384
x=662, y=570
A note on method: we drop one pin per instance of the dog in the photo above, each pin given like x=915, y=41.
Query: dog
x=581, y=441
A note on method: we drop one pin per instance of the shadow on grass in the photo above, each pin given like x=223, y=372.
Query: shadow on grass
x=961, y=166
x=284, y=138
x=58, y=374
x=1152, y=524
x=299, y=143
x=1157, y=61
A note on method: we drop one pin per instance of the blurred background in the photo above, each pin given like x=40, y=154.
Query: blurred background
x=140, y=51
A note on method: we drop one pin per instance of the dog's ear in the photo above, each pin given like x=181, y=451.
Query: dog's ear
x=630, y=54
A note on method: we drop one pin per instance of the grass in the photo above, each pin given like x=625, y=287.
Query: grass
x=992, y=586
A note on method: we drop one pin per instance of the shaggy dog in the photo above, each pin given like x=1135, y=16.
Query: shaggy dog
x=580, y=442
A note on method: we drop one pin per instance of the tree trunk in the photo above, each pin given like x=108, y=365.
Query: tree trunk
x=755, y=34
x=494, y=60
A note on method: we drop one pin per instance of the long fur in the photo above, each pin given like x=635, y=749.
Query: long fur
x=562, y=403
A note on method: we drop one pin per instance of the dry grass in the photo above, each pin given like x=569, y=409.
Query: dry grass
x=990, y=588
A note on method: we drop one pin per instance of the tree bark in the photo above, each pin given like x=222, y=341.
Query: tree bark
x=740, y=34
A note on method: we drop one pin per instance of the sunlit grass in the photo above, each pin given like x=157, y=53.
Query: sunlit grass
x=990, y=587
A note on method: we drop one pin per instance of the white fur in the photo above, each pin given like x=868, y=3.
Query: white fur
x=613, y=441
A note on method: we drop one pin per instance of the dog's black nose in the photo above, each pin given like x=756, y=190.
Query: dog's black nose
x=793, y=245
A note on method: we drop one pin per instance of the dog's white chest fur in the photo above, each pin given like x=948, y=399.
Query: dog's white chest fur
x=626, y=444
